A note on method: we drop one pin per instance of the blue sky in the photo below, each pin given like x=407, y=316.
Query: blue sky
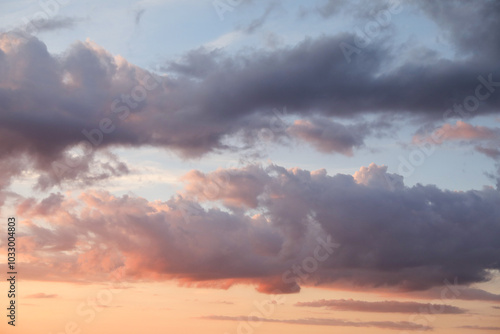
x=151, y=33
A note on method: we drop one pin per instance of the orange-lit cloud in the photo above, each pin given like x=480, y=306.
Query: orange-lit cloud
x=301, y=228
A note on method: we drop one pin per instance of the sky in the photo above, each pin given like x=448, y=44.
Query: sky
x=250, y=166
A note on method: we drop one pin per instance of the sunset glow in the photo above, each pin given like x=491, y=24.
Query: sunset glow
x=249, y=166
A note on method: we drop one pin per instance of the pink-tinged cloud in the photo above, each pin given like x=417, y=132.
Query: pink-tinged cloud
x=331, y=322
x=460, y=131
x=382, y=307
x=377, y=177
x=207, y=187
x=275, y=237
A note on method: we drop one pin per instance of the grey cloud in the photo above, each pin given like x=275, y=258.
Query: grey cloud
x=208, y=97
x=40, y=25
x=472, y=26
x=328, y=136
x=383, y=306
x=138, y=15
x=358, y=9
x=452, y=290
x=56, y=23
x=478, y=294
x=402, y=325
x=481, y=328
x=259, y=22
x=331, y=7
x=312, y=77
x=362, y=218
x=493, y=153
x=406, y=238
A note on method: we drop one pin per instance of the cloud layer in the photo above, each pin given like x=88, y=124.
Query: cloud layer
x=402, y=325
x=263, y=228
x=90, y=101
x=383, y=307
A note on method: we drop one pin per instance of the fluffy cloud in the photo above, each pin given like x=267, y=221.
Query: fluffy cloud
x=410, y=238
x=61, y=116
x=89, y=101
x=377, y=176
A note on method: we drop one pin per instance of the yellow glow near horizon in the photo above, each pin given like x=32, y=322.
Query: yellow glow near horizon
x=164, y=307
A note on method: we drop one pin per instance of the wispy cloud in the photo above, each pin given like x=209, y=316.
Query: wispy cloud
x=42, y=295
x=259, y=22
x=56, y=23
x=383, y=306
x=403, y=325
x=481, y=328
x=138, y=15
x=460, y=131
x=462, y=293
